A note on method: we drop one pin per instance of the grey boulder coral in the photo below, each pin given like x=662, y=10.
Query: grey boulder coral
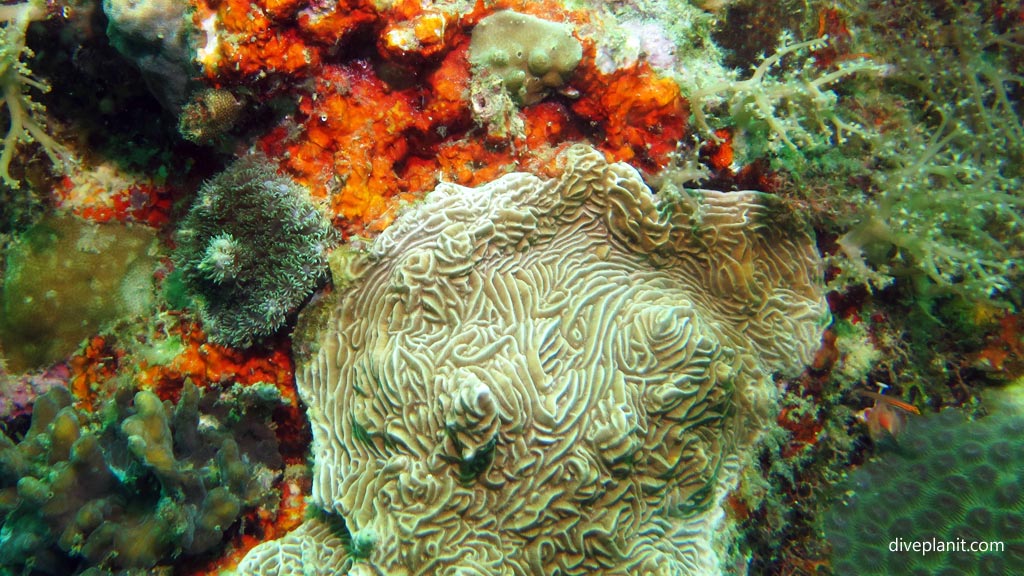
x=531, y=56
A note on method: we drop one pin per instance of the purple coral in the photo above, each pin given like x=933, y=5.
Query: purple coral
x=19, y=392
x=637, y=41
x=655, y=46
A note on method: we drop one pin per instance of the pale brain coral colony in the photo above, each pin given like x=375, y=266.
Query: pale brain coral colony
x=548, y=376
x=547, y=279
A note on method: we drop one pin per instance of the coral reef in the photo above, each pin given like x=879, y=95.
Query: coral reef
x=778, y=502
x=252, y=248
x=642, y=115
x=250, y=393
x=209, y=115
x=892, y=127
x=128, y=488
x=953, y=481
x=19, y=392
x=386, y=106
x=19, y=209
x=795, y=108
x=547, y=375
x=903, y=148
x=62, y=283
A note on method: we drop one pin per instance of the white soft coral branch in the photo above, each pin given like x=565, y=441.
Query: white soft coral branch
x=15, y=80
x=786, y=101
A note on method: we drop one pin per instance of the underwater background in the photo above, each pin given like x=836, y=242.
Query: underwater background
x=508, y=287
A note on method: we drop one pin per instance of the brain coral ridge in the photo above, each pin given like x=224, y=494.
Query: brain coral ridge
x=546, y=377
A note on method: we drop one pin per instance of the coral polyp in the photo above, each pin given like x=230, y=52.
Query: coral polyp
x=250, y=250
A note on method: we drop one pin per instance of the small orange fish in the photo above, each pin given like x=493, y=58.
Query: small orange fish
x=887, y=416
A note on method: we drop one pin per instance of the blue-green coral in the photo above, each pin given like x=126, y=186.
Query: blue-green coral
x=132, y=487
x=949, y=479
x=252, y=248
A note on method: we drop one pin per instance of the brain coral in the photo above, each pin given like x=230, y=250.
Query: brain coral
x=546, y=377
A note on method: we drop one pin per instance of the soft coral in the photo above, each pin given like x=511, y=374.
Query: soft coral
x=15, y=80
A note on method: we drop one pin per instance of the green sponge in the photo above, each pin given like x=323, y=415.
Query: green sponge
x=531, y=56
x=65, y=279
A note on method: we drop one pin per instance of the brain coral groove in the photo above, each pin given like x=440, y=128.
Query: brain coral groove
x=547, y=377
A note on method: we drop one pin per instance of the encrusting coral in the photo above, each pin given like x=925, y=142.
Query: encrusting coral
x=546, y=376
x=951, y=484
x=65, y=279
x=531, y=56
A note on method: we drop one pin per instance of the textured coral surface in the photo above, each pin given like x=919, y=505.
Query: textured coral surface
x=139, y=485
x=530, y=55
x=954, y=482
x=590, y=369
x=252, y=248
x=547, y=376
